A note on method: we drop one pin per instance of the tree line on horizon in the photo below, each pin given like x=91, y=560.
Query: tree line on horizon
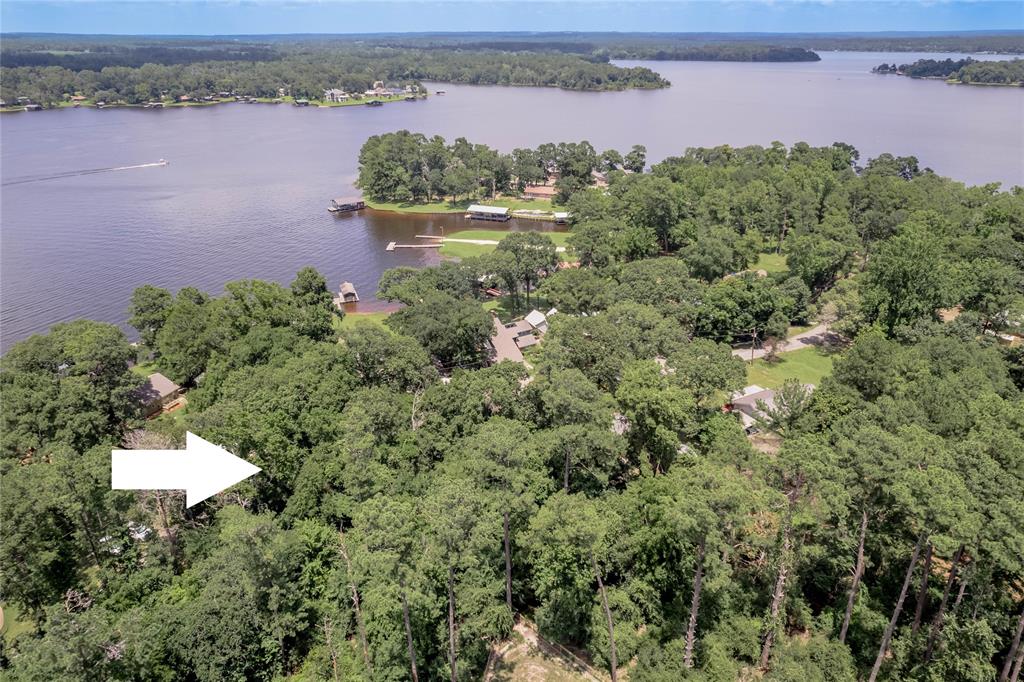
x=402, y=523
x=135, y=74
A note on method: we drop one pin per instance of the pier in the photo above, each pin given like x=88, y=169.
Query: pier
x=392, y=246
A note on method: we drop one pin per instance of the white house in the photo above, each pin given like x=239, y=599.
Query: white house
x=538, y=321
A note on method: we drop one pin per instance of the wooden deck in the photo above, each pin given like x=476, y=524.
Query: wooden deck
x=393, y=245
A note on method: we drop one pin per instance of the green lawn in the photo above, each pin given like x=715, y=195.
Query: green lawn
x=808, y=365
x=14, y=625
x=770, y=262
x=506, y=311
x=356, y=102
x=460, y=250
x=352, y=319
x=144, y=369
x=446, y=206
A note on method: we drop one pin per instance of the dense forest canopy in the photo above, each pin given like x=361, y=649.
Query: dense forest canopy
x=48, y=69
x=403, y=166
x=414, y=501
x=1001, y=72
x=308, y=74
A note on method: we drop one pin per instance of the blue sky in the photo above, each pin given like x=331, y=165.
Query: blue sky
x=338, y=16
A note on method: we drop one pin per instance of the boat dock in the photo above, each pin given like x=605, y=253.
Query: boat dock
x=393, y=245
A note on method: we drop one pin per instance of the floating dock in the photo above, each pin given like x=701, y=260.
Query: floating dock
x=392, y=246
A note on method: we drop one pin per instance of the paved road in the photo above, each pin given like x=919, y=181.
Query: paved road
x=815, y=336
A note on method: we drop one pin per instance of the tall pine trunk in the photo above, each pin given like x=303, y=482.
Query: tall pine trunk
x=896, y=611
x=508, y=563
x=858, y=571
x=408, y=632
x=922, y=593
x=360, y=623
x=451, y=622
x=933, y=636
x=1017, y=666
x=613, y=659
x=778, y=597
x=1012, y=653
x=691, y=628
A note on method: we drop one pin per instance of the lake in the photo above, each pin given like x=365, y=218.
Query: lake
x=247, y=187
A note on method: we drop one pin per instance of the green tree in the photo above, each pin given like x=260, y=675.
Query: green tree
x=531, y=256
x=452, y=331
x=148, y=310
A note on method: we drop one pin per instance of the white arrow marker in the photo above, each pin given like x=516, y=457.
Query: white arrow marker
x=202, y=469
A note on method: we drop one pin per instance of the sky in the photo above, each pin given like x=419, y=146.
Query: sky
x=209, y=17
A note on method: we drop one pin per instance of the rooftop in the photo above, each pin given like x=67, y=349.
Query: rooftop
x=488, y=210
x=504, y=342
x=157, y=387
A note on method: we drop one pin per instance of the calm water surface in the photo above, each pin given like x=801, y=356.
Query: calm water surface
x=246, y=191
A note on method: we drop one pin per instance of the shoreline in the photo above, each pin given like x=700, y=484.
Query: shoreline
x=312, y=104
x=435, y=208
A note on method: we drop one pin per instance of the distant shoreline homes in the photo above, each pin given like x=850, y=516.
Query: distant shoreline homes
x=967, y=71
x=330, y=97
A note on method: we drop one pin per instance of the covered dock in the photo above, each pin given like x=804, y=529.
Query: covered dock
x=346, y=294
x=346, y=204
x=481, y=212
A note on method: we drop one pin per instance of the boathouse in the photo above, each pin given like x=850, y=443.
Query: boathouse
x=348, y=293
x=480, y=212
x=346, y=204
x=302, y=102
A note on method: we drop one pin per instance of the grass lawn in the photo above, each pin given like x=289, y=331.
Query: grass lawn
x=507, y=312
x=809, y=365
x=446, y=206
x=770, y=262
x=356, y=102
x=460, y=250
x=352, y=319
x=144, y=369
x=13, y=623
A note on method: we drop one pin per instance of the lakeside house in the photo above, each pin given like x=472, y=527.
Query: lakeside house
x=509, y=340
x=747, y=404
x=503, y=343
x=157, y=393
x=538, y=321
x=335, y=95
x=494, y=213
x=744, y=403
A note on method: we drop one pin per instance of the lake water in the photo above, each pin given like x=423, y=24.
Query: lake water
x=246, y=190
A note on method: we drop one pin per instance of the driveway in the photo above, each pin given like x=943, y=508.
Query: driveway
x=815, y=336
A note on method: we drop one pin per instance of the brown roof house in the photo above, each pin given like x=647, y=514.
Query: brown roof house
x=156, y=393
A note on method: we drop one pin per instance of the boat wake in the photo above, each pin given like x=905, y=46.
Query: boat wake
x=70, y=174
